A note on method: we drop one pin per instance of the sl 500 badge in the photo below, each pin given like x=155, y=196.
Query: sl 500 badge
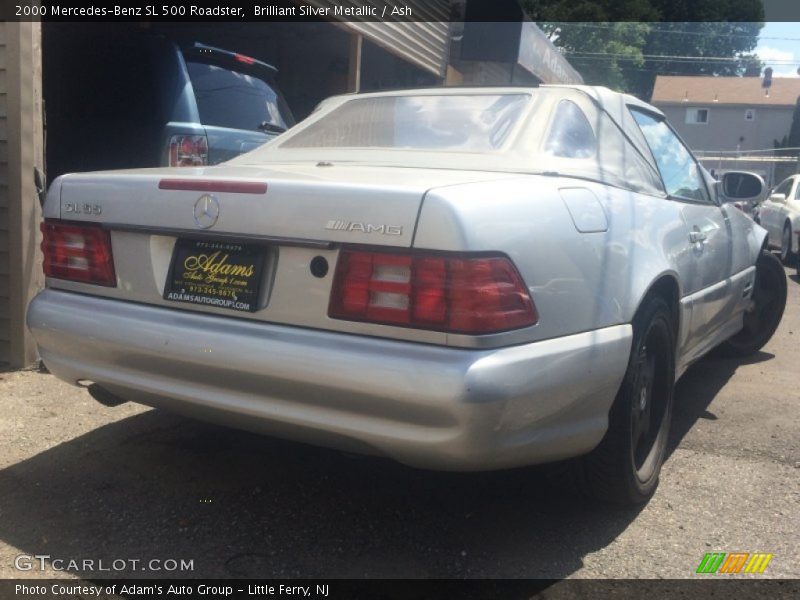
x=82, y=209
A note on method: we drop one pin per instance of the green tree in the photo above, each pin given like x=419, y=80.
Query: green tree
x=609, y=34
x=733, y=41
x=591, y=10
x=603, y=53
x=607, y=48
x=752, y=65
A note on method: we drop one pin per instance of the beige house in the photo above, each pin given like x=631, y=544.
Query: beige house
x=727, y=113
x=732, y=123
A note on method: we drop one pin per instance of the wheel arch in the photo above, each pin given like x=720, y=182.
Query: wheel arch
x=667, y=286
x=759, y=242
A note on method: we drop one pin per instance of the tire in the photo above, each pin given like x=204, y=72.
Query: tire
x=762, y=318
x=625, y=466
x=786, y=245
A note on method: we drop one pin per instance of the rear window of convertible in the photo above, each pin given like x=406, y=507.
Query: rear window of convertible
x=470, y=123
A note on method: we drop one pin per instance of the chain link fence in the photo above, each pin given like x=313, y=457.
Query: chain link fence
x=774, y=165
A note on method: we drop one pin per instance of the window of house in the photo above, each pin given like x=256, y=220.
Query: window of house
x=697, y=116
x=750, y=114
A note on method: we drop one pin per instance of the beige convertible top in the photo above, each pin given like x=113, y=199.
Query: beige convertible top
x=621, y=157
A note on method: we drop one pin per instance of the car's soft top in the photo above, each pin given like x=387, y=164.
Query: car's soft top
x=574, y=131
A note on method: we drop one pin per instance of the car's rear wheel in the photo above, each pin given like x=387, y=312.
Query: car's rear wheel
x=765, y=311
x=625, y=467
x=786, y=244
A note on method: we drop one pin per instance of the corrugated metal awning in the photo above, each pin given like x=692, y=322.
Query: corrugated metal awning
x=424, y=42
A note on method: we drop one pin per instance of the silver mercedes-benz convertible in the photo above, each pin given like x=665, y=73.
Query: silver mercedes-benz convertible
x=459, y=279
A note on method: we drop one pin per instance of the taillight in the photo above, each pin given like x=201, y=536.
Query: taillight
x=78, y=253
x=454, y=293
x=188, y=151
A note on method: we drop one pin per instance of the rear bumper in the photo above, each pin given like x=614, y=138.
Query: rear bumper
x=428, y=406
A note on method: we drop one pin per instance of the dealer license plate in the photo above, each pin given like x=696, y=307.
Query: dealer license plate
x=221, y=274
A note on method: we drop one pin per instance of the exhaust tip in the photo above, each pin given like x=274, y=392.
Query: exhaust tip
x=103, y=396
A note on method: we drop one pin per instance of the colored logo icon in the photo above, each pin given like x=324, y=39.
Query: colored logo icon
x=734, y=562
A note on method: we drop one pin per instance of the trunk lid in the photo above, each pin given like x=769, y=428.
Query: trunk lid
x=333, y=204
x=306, y=213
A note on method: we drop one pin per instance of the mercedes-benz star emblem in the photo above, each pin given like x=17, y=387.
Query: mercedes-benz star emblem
x=206, y=211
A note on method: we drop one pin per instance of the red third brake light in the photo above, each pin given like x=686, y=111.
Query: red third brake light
x=454, y=293
x=214, y=185
x=244, y=59
x=78, y=253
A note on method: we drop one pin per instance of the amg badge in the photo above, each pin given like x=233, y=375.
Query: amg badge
x=364, y=227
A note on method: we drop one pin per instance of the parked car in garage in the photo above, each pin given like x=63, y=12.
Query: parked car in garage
x=460, y=279
x=779, y=214
x=144, y=101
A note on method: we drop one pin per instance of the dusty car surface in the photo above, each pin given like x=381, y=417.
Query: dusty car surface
x=459, y=279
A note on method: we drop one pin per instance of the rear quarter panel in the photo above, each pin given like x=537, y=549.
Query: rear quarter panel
x=579, y=281
x=748, y=238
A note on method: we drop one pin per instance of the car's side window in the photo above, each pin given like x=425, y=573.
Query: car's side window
x=571, y=135
x=679, y=170
x=797, y=192
x=784, y=188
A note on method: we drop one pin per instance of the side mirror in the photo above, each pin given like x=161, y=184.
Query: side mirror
x=741, y=185
x=778, y=198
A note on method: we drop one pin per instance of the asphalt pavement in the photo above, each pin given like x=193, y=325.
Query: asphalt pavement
x=79, y=481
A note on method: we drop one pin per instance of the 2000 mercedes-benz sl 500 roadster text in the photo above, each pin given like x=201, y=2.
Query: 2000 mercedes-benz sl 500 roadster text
x=456, y=278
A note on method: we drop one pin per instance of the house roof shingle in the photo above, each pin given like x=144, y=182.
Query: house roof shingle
x=725, y=90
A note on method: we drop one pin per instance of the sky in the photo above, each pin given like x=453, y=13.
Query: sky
x=780, y=50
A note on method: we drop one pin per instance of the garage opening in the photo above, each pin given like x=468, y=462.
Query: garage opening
x=132, y=95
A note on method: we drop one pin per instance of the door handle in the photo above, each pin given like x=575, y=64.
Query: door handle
x=697, y=236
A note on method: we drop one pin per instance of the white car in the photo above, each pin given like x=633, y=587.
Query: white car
x=780, y=216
